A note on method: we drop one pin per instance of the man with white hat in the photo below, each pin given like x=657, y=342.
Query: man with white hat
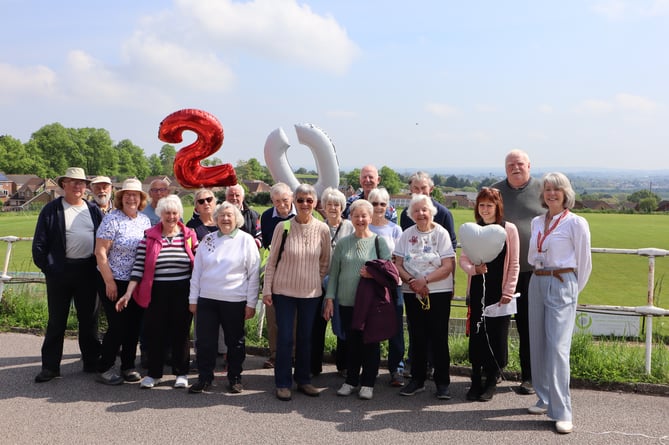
x=101, y=186
x=63, y=248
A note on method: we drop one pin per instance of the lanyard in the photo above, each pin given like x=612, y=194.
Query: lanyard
x=541, y=239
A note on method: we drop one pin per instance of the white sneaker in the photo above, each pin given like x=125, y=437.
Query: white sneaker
x=366, y=392
x=564, y=426
x=148, y=382
x=181, y=381
x=345, y=390
x=540, y=408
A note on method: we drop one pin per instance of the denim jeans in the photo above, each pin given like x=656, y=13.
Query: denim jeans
x=287, y=308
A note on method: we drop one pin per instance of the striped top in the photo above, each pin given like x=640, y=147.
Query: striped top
x=172, y=264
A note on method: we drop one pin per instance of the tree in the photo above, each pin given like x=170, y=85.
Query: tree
x=648, y=205
x=54, y=144
x=95, y=150
x=390, y=180
x=16, y=158
x=641, y=194
x=167, y=155
x=132, y=161
x=252, y=169
x=155, y=166
x=353, y=178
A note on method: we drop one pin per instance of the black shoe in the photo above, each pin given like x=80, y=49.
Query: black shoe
x=236, y=386
x=526, y=388
x=488, y=393
x=414, y=387
x=474, y=393
x=198, y=387
x=443, y=393
x=46, y=375
x=130, y=375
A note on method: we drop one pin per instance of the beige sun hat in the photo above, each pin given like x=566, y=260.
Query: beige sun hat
x=132, y=185
x=101, y=180
x=73, y=173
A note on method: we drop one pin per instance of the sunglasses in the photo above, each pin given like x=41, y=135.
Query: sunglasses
x=160, y=190
x=203, y=200
x=382, y=204
x=302, y=200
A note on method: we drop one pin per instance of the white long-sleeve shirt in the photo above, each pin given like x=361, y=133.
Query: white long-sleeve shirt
x=226, y=268
x=566, y=246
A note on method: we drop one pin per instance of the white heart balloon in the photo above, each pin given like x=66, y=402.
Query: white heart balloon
x=482, y=244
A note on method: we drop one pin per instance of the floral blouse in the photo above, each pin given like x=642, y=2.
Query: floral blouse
x=125, y=233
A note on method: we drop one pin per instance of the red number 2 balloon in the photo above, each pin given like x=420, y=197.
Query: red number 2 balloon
x=187, y=168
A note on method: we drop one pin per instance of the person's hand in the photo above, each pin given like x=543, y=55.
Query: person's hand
x=111, y=290
x=249, y=312
x=505, y=299
x=192, y=307
x=481, y=269
x=122, y=302
x=267, y=299
x=328, y=310
x=364, y=273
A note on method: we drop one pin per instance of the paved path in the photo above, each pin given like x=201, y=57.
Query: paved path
x=75, y=409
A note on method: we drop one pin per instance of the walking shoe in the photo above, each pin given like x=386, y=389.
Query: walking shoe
x=526, y=388
x=539, y=408
x=309, y=390
x=148, y=382
x=474, y=393
x=414, y=387
x=198, y=387
x=236, y=387
x=564, y=426
x=130, y=375
x=181, y=381
x=488, y=393
x=443, y=393
x=109, y=377
x=396, y=380
x=46, y=375
x=283, y=394
x=269, y=363
x=345, y=390
x=366, y=393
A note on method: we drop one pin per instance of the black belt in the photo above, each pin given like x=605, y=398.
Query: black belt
x=79, y=260
x=557, y=273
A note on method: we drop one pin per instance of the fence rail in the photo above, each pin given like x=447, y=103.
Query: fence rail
x=648, y=311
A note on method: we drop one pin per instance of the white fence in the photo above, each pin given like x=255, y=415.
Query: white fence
x=648, y=310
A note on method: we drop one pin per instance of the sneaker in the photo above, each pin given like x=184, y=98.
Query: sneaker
x=269, y=363
x=526, y=388
x=109, y=377
x=309, y=390
x=539, y=408
x=443, y=393
x=236, y=387
x=564, y=426
x=46, y=375
x=366, y=393
x=345, y=390
x=148, y=382
x=198, y=387
x=488, y=393
x=130, y=375
x=414, y=387
x=181, y=381
x=283, y=394
x=396, y=380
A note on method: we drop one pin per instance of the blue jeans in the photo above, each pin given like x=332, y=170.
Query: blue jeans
x=286, y=308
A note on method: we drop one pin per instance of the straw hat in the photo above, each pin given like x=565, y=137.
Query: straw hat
x=73, y=173
x=132, y=185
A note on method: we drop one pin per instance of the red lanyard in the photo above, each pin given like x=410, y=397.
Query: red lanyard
x=541, y=239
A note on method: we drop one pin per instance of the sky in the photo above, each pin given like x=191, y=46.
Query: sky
x=442, y=85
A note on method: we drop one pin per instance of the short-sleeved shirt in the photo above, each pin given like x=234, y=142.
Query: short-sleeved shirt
x=125, y=233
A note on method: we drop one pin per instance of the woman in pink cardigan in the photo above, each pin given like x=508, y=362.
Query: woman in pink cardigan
x=488, y=336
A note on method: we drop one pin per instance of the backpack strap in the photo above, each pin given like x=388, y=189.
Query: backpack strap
x=376, y=246
x=286, y=229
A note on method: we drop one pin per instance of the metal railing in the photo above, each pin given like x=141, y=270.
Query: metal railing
x=648, y=310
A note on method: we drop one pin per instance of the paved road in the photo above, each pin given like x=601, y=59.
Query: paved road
x=75, y=409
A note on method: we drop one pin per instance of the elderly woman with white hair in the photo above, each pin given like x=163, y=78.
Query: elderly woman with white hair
x=560, y=253
x=425, y=259
x=224, y=292
x=159, y=282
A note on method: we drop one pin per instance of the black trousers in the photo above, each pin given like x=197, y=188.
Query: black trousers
x=359, y=354
x=429, y=327
x=167, y=327
x=122, y=330
x=318, y=338
x=210, y=315
x=78, y=282
x=523, y=326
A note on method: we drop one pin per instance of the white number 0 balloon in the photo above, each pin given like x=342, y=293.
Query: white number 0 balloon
x=320, y=145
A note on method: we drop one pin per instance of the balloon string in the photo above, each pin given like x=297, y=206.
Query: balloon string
x=483, y=321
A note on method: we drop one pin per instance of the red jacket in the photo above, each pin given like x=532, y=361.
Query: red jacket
x=375, y=300
x=154, y=244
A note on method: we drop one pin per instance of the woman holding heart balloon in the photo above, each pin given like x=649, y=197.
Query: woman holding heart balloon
x=492, y=281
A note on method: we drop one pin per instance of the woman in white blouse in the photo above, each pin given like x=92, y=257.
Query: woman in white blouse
x=560, y=253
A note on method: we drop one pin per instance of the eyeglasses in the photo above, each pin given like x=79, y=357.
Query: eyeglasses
x=207, y=199
x=382, y=204
x=160, y=190
x=303, y=200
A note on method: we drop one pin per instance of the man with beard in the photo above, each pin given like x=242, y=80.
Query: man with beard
x=102, y=193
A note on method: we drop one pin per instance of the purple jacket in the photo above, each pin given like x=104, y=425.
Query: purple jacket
x=374, y=309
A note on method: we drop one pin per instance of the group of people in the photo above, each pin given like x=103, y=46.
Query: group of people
x=354, y=266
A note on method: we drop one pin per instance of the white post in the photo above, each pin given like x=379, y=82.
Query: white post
x=649, y=317
x=4, y=277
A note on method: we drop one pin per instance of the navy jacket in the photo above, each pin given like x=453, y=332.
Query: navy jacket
x=49, y=238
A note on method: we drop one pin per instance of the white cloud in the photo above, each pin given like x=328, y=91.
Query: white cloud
x=618, y=10
x=441, y=110
x=26, y=81
x=621, y=102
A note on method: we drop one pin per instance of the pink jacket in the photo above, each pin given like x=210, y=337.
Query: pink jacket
x=154, y=244
x=511, y=264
